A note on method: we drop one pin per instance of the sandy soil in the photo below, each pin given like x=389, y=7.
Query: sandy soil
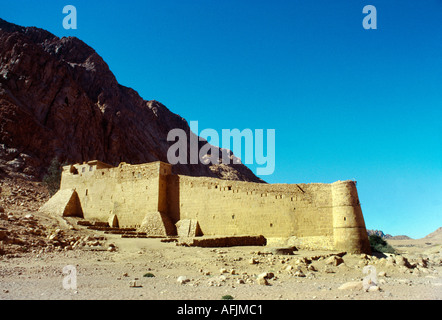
x=109, y=275
x=36, y=248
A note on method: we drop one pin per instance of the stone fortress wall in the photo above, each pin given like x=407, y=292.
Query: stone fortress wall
x=150, y=197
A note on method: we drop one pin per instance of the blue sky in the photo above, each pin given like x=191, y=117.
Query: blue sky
x=346, y=103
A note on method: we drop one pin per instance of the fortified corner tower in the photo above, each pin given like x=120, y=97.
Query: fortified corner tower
x=349, y=230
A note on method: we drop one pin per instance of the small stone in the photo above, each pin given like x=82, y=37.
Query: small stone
x=182, y=280
x=402, y=262
x=334, y=260
x=373, y=289
x=266, y=275
x=262, y=281
x=282, y=251
x=299, y=273
x=253, y=261
x=133, y=284
x=3, y=234
x=329, y=270
x=312, y=268
x=352, y=285
x=382, y=274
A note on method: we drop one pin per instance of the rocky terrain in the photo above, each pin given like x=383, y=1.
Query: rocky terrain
x=58, y=99
x=379, y=233
x=35, y=249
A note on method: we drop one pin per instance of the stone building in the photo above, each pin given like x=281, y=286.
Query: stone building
x=152, y=199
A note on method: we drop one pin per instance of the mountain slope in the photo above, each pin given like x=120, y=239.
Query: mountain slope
x=435, y=235
x=58, y=98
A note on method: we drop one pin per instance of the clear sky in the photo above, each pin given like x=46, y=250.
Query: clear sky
x=346, y=103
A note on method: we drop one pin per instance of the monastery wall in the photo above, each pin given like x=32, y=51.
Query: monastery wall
x=242, y=208
x=128, y=191
x=316, y=215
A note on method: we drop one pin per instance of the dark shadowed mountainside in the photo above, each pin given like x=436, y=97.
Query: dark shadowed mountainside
x=58, y=99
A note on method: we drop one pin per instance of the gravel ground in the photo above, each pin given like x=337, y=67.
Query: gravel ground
x=103, y=275
x=35, y=249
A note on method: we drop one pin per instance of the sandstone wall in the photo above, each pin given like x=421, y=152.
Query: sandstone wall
x=127, y=191
x=243, y=208
x=316, y=215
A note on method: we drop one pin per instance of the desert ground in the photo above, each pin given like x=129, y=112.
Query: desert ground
x=35, y=249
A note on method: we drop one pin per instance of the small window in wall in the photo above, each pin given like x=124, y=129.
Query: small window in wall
x=345, y=218
x=91, y=168
x=87, y=191
x=83, y=169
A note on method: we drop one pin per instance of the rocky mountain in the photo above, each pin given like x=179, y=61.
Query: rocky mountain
x=378, y=233
x=59, y=99
x=435, y=235
x=400, y=237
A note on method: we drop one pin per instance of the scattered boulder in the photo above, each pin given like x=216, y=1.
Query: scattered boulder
x=266, y=275
x=374, y=289
x=263, y=277
x=311, y=268
x=183, y=280
x=299, y=274
x=334, y=261
x=282, y=251
x=329, y=270
x=262, y=281
x=352, y=285
x=402, y=262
